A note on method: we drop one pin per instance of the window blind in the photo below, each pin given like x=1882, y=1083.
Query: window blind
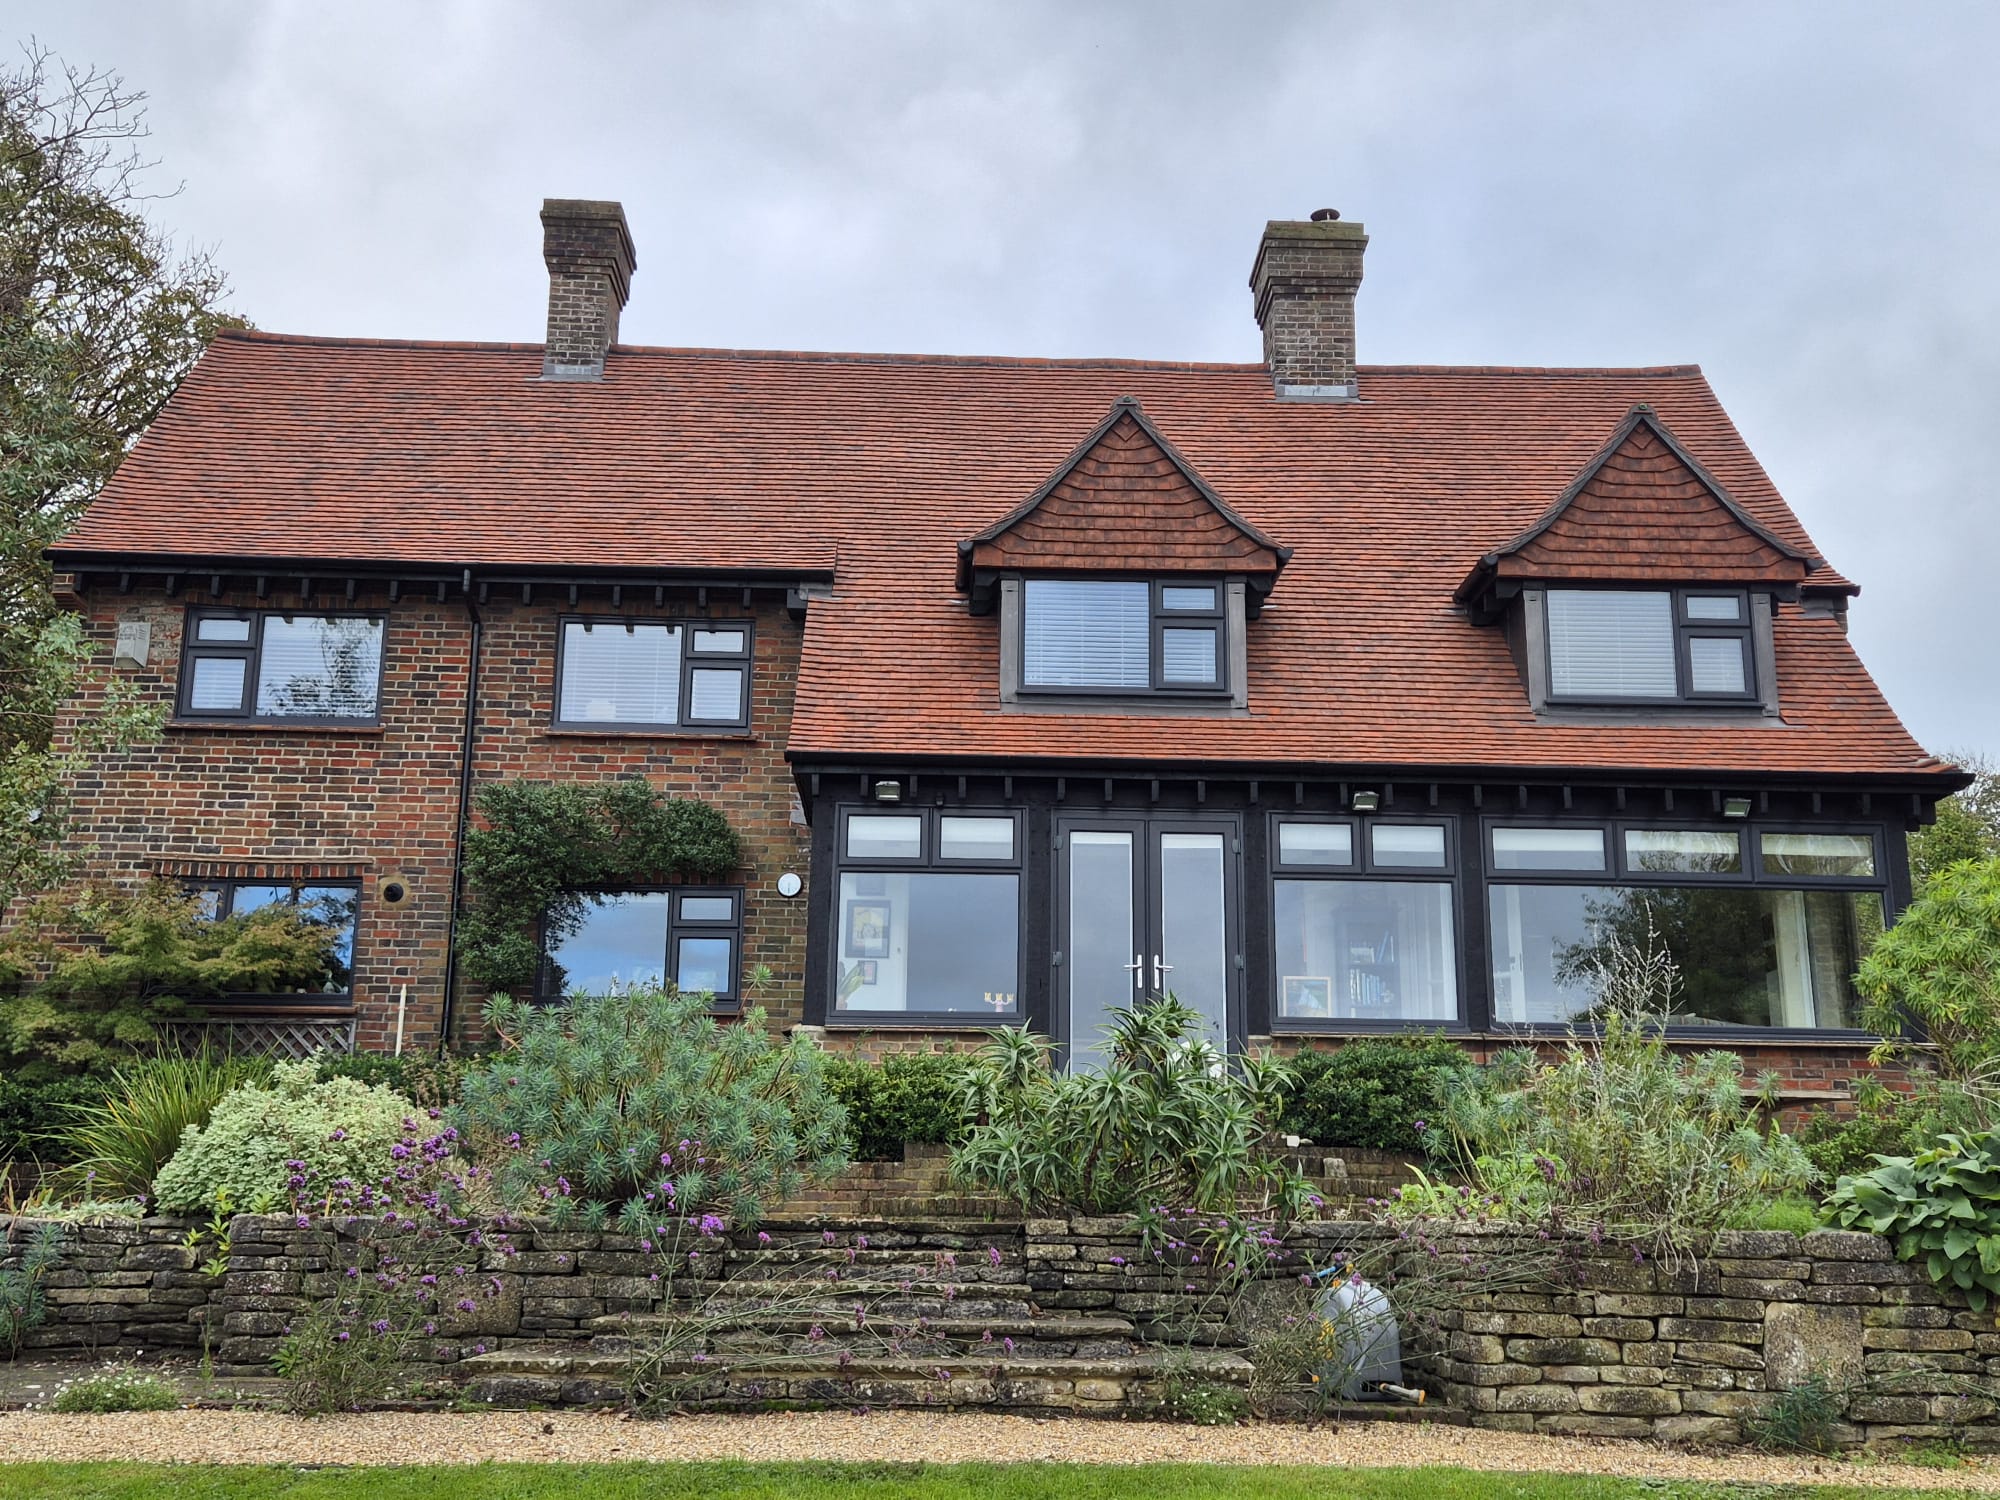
x=1090, y=633
x=1611, y=643
x=1715, y=664
x=618, y=674
x=314, y=666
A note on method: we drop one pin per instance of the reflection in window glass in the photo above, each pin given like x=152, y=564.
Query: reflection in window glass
x=1746, y=957
x=1315, y=844
x=1418, y=846
x=1694, y=850
x=619, y=944
x=975, y=838
x=334, y=907
x=1818, y=854
x=1548, y=848
x=1365, y=950
x=702, y=964
x=708, y=908
x=319, y=667
x=885, y=836
x=934, y=943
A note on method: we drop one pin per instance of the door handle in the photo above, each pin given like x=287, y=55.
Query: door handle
x=1137, y=969
x=1160, y=972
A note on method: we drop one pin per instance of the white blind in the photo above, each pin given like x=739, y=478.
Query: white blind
x=1092, y=633
x=320, y=668
x=619, y=674
x=1611, y=643
x=715, y=694
x=1188, y=654
x=1715, y=664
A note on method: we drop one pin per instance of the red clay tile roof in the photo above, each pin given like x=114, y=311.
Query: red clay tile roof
x=1124, y=501
x=461, y=455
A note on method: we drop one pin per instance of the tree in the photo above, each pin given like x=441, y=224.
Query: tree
x=1967, y=826
x=1939, y=966
x=100, y=318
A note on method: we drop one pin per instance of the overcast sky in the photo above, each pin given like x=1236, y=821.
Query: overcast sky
x=1804, y=199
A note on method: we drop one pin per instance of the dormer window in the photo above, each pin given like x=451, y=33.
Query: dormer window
x=1106, y=635
x=1649, y=646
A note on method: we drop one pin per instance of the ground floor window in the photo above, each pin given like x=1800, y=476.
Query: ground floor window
x=1748, y=957
x=1365, y=950
x=334, y=905
x=639, y=939
x=930, y=942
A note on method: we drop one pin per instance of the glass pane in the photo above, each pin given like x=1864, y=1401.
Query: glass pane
x=1103, y=954
x=975, y=838
x=1315, y=844
x=705, y=964
x=1611, y=643
x=728, y=642
x=1408, y=845
x=715, y=694
x=1186, y=596
x=1818, y=854
x=207, y=902
x=1368, y=950
x=218, y=684
x=1714, y=607
x=947, y=944
x=1188, y=655
x=619, y=943
x=1745, y=957
x=708, y=908
x=334, y=907
x=1683, y=849
x=1194, y=948
x=1548, y=848
x=319, y=668
x=885, y=836
x=1715, y=664
x=1087, y=633
x=245, y=898
x=620, y=674
x=222, y=630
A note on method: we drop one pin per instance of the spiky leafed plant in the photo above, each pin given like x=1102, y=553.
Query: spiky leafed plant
x=117, y=1145
x=590, y=1104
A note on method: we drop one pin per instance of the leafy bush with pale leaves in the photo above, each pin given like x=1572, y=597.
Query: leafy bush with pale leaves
x=1940, y=1207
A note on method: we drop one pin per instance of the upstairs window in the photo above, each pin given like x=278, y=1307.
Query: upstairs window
x=1108, y=635
x=275, y=665
x=1650, y=646
x=653, y=674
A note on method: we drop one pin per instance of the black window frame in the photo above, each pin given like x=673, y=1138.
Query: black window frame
x=1159, y=620
x=1685, y=632
x=1363, y=868
x=225, y=887
x=691, y=661
x=678, y=926
x=1619, y=873
x=929, y=860
x=251, y=653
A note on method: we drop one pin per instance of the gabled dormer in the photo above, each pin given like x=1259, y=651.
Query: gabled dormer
x=1644, y=586
x=1123, y=575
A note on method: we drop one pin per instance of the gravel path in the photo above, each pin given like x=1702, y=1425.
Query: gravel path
x=516, y=1437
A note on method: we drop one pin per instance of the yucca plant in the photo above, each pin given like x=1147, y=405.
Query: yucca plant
x=117, y=1145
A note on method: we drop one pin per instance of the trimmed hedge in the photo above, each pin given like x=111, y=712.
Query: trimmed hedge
x=916, y=1097
x=1370, y=1093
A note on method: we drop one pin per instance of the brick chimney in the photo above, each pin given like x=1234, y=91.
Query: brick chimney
x=588, y=251
x=1304, y=282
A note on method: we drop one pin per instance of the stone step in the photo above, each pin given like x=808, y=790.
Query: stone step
x=881, y=1300
x=883, y=1264
x=1046, y=1337
x=552, y=1375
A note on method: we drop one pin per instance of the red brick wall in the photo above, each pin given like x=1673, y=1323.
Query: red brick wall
x=222, y=801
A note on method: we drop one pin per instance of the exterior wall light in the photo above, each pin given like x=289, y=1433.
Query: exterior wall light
x=1736, y=807
x=1365, y=802
x=887, y=791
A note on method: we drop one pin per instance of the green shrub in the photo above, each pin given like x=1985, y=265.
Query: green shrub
x=342, y=1130
x=23, y=1300
x=590, y=1104
x=1167, y=1123
x=1939, y=967
x=1941, y=1207
x=919, y=1097
x=1789, y=1215
x=1372, y=1093
x=30, y=1113
x=431, y=1079
x=117, y=1144
x=116, y=1390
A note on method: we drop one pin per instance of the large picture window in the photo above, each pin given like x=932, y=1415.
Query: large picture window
x=334, y=905
x=1650, y=646
x=620, y=673
x=278, y=665
x=625, y=940
x=1363, y=925
x=1751, y=952
x=1108, y=635
x=927, y=917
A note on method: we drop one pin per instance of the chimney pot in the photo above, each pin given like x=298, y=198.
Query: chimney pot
x=1303, y=281
x=588, y=250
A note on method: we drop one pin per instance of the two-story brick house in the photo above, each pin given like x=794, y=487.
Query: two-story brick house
x=1335, y=698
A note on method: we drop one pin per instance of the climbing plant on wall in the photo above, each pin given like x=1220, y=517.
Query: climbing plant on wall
x=542, y=847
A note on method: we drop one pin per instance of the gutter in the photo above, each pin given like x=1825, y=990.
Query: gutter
x=465, y=753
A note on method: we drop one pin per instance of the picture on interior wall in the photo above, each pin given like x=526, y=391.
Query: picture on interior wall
x=867, y=930
x=1308, y=995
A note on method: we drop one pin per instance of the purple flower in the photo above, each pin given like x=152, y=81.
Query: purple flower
x=338, y=1134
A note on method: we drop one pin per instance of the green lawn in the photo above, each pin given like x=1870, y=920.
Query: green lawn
x=739, y=1481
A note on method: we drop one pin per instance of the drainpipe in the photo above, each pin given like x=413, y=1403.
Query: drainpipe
x=464, y=814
